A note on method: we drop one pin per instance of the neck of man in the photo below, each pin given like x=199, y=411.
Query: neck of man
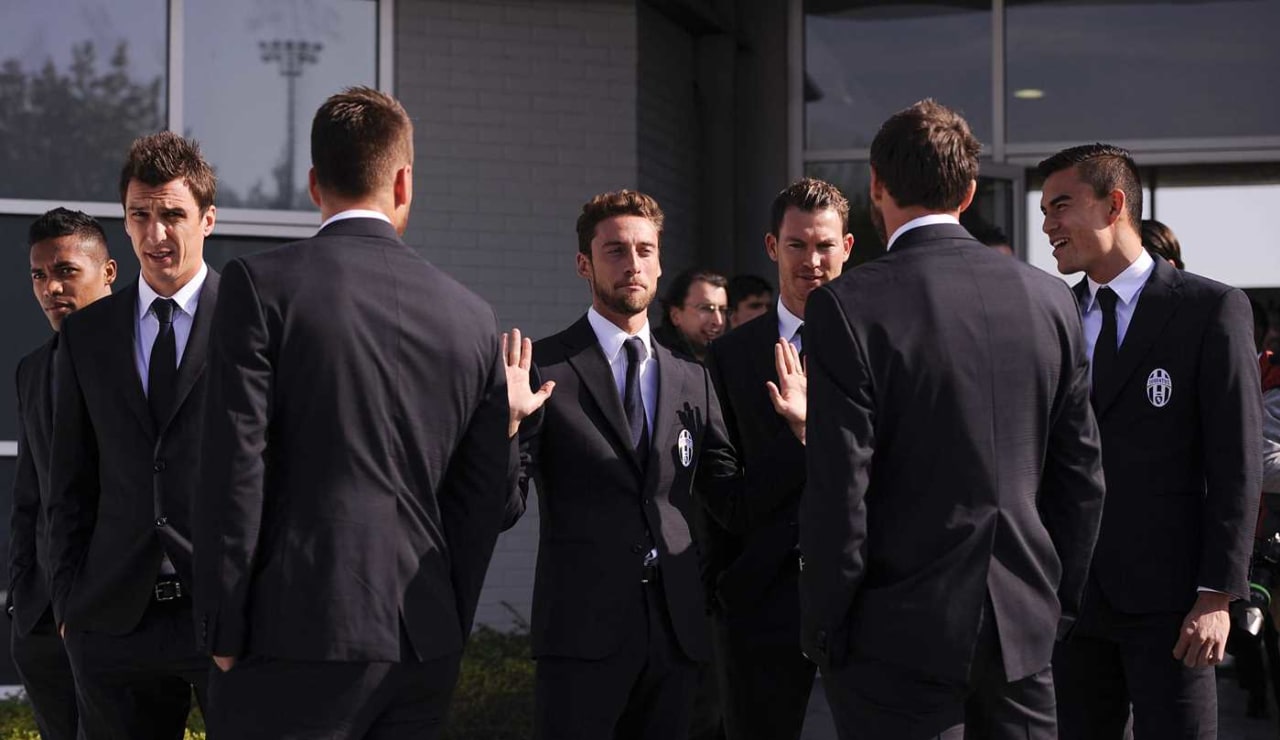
x=331, y=205
x=794, y=305
x=1125, y=249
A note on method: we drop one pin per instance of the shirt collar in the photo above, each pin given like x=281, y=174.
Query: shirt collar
x=355, y=213
x=187, y=298
x=611, y=338
x=928, y=219
x=1127, y=284
x=788, y=322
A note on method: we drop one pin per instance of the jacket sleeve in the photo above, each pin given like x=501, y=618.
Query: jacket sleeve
x=477, y=488
x=26, y=508
x=1230, y=413
x=1072, y=482
x=740, y=497
x=72, y=508
x=229, y=501
x=841, y=442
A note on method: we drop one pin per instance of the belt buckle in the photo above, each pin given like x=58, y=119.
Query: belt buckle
x=168, y=591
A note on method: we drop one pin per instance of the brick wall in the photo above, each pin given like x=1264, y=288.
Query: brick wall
x=523, y=109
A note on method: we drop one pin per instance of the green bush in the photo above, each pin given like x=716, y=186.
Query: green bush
x=494, y=697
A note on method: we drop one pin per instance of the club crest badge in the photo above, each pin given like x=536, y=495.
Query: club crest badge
x=1159, y=387
x=685, y=444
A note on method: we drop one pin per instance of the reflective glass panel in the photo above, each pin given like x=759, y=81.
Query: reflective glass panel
x=866, y=59
x=79, y=80
x=1103, y=70
x=255, y=72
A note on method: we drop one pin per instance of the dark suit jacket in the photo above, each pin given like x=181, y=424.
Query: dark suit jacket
x=120, y=488
x=596, y=502
x=750, y=554
x=28, y=526
x=1183, y=479
x=357, y=461
x=952, y=457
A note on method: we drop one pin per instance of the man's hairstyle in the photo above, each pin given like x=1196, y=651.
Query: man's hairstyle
x=1104, y=168
x=810, y=195
x=160, y=158
x=678, y=291
x=926, y=156
x=359, y=138
x=1161, y=242
x=62, y=222
x=742, y=287
x=983, y=230
x=616, y=203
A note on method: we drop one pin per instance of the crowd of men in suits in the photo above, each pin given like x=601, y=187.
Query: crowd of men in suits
x=281, y=485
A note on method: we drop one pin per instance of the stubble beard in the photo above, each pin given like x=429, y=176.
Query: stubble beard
x=624, y=304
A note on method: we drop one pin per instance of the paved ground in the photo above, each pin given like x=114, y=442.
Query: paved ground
x=1232, y=724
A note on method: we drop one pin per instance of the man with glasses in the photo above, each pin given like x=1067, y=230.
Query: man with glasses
x=696, y=308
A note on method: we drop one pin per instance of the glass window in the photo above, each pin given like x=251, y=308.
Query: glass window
x=1086, y=70
x=79, y=80
x=866, y=59
x=254, y=74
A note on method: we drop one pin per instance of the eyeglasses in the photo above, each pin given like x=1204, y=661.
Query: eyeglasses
x=708, y=309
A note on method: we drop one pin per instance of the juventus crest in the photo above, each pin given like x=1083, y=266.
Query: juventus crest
x=1159, y=387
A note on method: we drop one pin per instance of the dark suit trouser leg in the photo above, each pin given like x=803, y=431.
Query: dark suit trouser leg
x=765, y=683
x=271, y=699
x=42, y=663
x=708, y=714
x=138, y=686
x=644, y=691
x=1114, y=659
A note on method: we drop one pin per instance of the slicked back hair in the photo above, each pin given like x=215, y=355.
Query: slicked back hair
x=615, y=203
x=160, y=158
x=62, y=222
x=810, y=195
x=359, y=138
x=1105, y=168
x=926, y=156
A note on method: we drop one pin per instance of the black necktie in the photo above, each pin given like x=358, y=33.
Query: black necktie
x=162, y=371
x=800, y=338
x=1105, y=349
x=633, y=403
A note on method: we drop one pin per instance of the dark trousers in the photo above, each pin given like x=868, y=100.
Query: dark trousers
x=1111, y=660
x=274, y=699
x=708, y=716
x=765, y=682
x=645, y=691
x=138, y=686
x=877, y=701
x=41, y=660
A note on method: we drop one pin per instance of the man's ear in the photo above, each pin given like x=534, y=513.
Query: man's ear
x=771, y=246
x=584, y=265
x=1116, y=207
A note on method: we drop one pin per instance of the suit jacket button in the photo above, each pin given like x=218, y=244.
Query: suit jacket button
x=637, y=549
x=162, y=521
x=159, y=466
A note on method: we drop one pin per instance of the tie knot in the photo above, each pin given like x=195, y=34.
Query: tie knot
x=1106, y=298
x=635, y=349
x=163, y=309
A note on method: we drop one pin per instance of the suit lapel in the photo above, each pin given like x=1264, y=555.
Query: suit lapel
x=671, y=389
x=195, y=355
x=761, y=348
x=41, y=390
x=1156, y=303
x=588, y=361
x=124, y=322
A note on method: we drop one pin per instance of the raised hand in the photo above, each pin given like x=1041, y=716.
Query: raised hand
x=790, y=395
x=517, y=353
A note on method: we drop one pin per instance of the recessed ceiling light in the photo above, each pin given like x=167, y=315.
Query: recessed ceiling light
x=1028, y=93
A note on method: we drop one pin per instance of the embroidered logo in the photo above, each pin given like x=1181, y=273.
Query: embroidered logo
x=1159, y=387
x=685, y=444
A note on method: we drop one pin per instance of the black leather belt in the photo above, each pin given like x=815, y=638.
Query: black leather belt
x=168, y=589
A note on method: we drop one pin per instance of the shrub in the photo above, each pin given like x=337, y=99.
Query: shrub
x=494, y=697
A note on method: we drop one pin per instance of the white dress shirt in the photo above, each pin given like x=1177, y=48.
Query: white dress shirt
x=928, y=219
x=788, y=325
x=1127, y=286
x=147, y=326
x=611, y=339
x=354, y=213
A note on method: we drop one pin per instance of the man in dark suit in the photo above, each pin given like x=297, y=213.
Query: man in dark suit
x=619, y=617
x=70, y=268
x=1175, y=392
x=753, y=564
x=357, y=462
x=695, y=311
x=129, y=397
x=954, y=481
